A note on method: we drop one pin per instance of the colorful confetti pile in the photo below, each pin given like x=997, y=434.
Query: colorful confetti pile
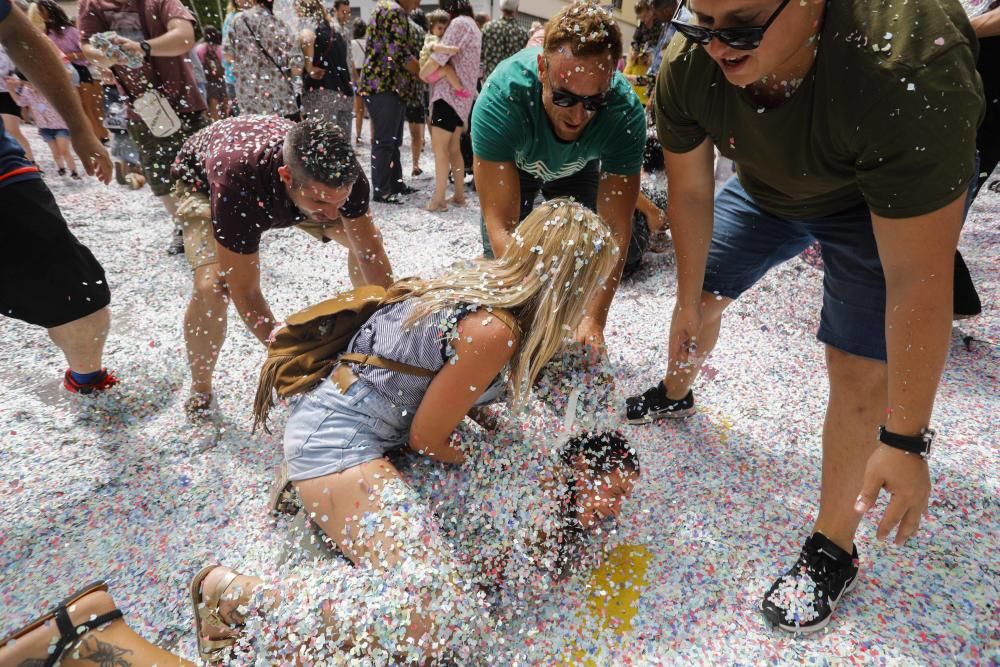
x=122, y=488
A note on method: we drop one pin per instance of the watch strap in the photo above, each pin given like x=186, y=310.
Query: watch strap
x=146, y=48
x=915, y=444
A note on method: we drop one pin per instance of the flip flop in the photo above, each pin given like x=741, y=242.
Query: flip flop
x=68, y=633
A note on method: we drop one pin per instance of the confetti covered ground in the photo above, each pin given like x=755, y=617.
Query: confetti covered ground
x=123, y=490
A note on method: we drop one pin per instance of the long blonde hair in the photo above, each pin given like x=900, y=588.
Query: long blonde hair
x=560, y=256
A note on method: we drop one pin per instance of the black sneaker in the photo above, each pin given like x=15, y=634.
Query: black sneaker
x=406, y=190
x=804, y=598
x=387, y=199
x=654, y=405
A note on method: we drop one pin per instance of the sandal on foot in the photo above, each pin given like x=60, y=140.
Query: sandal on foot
x=69, y=634
x=283, y=499
x=206, y=610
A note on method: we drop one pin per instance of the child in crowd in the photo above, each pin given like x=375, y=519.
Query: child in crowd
x=50, y=124
x=439, y=21
x=209, y=52
x=128, y=170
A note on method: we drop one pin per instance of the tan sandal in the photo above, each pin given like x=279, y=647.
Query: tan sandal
x=283, y=498
x=206, y=610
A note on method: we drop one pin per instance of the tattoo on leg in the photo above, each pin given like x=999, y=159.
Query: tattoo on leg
x=104, y=653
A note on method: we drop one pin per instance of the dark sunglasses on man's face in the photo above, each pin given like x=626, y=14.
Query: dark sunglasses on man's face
x=744, y=39
x=565, y=99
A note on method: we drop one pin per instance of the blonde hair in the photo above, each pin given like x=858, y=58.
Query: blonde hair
x=560, y=256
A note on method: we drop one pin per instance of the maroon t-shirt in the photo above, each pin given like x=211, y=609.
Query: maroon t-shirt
x=235, y=162
x=173, y=77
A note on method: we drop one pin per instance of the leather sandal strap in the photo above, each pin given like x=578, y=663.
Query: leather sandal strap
x=69, y=633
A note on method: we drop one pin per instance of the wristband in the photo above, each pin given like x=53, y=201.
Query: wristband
x=146, y=48
x=914, y=444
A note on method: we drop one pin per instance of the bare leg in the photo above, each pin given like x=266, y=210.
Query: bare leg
x=63, y=146
x=457, y=167
x=416, y=144
x=440, y=140
x=12, y=125
x=680, y=377
x=82, y=340
x=205, y=326
x=56, y=155
x=359, y=117
x=859, y=395
x=337, y=501
x=114, y=644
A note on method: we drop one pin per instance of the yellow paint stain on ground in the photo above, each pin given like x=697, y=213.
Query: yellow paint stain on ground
x=617, y=585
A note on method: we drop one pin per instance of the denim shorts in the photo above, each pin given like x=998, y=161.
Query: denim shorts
x=747, y=242
x=329, y=431
x=49, y=134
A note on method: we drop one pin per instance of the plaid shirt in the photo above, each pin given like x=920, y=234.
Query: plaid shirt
x=392, y=40
x=501, y=39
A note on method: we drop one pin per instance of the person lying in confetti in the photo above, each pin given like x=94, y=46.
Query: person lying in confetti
x=479, y=323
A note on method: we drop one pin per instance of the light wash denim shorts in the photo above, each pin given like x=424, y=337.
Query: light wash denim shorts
x=329, y=431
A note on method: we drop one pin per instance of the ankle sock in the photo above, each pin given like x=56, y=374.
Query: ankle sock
x=87, y=378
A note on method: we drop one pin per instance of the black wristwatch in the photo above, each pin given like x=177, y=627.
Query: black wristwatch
x=914, y=444
x=146, y=48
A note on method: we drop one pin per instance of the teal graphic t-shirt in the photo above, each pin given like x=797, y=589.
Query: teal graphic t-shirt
x=509, y=125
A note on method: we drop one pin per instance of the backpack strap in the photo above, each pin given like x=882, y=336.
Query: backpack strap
x=387, y=364
x=507, y=318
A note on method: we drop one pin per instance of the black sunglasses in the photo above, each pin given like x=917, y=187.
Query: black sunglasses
x=744, y=39
x=565, y=99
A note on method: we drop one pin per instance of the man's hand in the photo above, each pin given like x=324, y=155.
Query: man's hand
x=129, y=46
x=906, y=477
x=684, y=327
x=93, y=154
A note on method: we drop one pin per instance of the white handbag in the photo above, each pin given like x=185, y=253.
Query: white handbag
x=156, y=112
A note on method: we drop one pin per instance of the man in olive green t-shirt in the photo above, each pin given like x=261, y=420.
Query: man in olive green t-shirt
x=855, y=126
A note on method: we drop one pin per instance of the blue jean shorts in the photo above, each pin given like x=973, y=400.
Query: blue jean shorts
x=51, y=135
x=747, y=242
x=329, y=431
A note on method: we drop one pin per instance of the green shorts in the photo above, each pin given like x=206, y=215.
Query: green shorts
x=157, y=154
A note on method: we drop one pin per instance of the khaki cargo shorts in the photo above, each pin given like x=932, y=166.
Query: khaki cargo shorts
x=194, y=212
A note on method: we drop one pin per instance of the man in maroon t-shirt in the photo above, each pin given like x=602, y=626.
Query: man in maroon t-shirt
x=240, y=177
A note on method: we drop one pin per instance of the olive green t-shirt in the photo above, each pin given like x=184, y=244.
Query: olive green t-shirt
x=887, y=115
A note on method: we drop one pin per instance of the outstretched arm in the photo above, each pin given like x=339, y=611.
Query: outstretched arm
x=918, y=256
x=242, y=275
x=499, y=191
x=365, y=241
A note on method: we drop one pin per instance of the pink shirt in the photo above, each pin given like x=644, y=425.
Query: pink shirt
x=46, y=117
x=68, y=42
x=463, y=33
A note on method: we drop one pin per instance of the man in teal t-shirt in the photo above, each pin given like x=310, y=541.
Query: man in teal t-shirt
x=562, y=120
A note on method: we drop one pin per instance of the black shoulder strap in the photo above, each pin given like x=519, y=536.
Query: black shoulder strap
x=246, y=24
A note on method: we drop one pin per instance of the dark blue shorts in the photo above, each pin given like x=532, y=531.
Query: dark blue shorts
x=49, y=135
x=747, y=242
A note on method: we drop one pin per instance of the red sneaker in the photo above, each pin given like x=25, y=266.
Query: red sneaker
x=107, y=381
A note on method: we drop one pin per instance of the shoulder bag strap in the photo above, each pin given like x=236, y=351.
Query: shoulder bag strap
x=246, y=24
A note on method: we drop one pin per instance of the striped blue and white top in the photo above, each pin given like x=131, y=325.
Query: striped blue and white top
x=426, y=344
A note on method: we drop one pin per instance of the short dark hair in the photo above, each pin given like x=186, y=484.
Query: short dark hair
x=318, y=150
x=456, y=7
x=212, y=35
x=438, y=17
x=418, y=17
x=337, y=4
x=586, y=28
x=360, y=29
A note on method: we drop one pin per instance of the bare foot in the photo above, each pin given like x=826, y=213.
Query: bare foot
x=457, y=201
x=435, y=207
x=33, y=646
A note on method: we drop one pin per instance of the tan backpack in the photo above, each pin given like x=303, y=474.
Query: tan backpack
x=305, y=350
